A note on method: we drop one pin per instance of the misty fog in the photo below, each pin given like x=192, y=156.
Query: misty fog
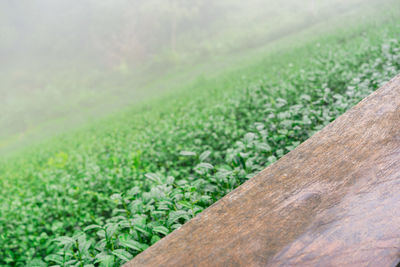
x=65, y=62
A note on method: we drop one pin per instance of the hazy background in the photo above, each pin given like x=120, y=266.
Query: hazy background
x=64, y=62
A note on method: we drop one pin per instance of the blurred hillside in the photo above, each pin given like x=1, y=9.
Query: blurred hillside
x=65, y=62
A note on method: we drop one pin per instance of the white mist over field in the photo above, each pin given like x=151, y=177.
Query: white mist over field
x=67, y=61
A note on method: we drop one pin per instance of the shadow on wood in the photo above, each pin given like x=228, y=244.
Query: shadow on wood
x=333, y=201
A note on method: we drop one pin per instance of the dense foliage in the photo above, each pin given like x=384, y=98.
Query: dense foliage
x=105, y=194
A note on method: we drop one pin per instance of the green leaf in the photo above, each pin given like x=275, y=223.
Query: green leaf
x=116, y=197
x=187, y=153
x=37, y=263
x=54, y=258
x=249, y=137
x=84, y=245
x=101, y=233
x=305, y=97
x=264, y=147
x=154, y=178
x=204, y=155
x=122, y=254
x=92, y=226
x=161, y=229
x=111, y=229
x=132, y=244
x=272, y=159
x=141, y=228
x=205, y=165
x=185, y=204
x=170, y=180
x=105, y=260
x=174, y=216
x=70, y=262
x=133, y=191
x=154, y=239
x=64, y=240
x=101, y=244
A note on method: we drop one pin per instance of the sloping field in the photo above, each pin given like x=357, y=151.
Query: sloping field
x=106, y=192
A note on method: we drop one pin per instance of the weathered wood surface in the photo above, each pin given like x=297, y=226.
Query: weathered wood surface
x=333, y=201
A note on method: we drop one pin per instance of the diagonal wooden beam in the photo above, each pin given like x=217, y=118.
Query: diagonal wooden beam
x=333, y=201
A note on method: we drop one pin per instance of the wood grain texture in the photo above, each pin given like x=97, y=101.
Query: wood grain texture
x=333, y=201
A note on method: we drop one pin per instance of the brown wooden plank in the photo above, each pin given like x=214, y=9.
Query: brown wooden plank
x=333, y=201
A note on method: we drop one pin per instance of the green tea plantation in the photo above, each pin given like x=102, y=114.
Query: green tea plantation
x=106, y=192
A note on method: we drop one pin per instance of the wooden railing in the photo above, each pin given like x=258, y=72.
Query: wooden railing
x=333, y=201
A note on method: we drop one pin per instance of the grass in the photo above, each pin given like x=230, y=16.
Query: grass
x=104, y=193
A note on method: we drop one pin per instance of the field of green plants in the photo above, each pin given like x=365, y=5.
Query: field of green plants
x=103, y=194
